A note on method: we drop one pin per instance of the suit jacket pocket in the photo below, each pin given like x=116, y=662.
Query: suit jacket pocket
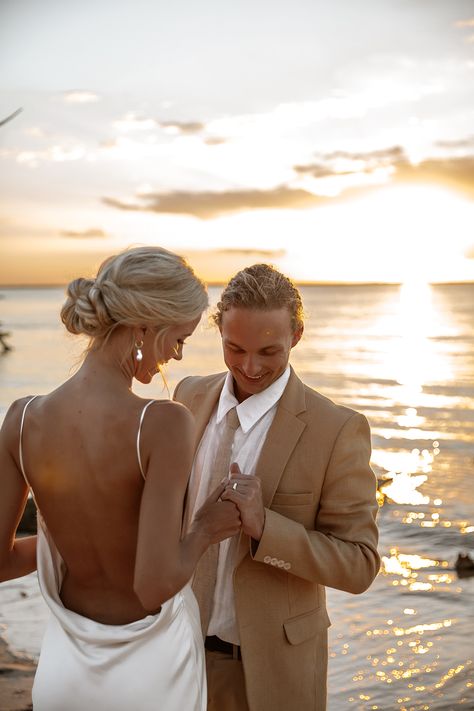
x=307, y=497
x=303, y=627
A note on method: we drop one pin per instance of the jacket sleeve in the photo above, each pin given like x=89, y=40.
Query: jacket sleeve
x=179, y=394
x=341, y=550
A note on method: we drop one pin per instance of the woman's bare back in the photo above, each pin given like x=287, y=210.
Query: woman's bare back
x=80, y=458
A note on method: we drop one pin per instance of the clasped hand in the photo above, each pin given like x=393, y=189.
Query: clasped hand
x=216, y=518
x=245, y=492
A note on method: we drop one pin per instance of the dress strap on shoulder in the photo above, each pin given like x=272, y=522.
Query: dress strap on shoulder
x=139, y=433
x=20, y=442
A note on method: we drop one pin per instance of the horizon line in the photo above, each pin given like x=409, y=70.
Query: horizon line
x=463, y=282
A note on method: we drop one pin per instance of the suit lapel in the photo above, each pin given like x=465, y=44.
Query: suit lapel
x=202, y=405
x=279, y=444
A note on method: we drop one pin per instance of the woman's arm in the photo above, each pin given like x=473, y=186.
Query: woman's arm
x=165, y=562
x=17, y=555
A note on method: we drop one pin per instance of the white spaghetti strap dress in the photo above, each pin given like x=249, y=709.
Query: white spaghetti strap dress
x=152, y=664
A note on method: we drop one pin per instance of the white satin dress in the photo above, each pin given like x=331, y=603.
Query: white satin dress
x=152, y=664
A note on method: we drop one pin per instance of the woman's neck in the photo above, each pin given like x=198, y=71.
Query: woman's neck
x=110, y=363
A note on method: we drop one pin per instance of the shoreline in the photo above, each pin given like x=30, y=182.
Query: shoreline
x=16, y=679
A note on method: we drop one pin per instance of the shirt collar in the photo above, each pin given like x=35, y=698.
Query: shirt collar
x=255, y=406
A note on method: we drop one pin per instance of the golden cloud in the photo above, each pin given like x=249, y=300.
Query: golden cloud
x=207, y=205
x=84, y=234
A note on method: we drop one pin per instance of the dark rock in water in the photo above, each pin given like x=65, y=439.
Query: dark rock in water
x=464, y=565
x=28, y=520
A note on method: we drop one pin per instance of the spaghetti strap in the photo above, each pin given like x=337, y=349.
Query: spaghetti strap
x=138, y=436
x=20, y=442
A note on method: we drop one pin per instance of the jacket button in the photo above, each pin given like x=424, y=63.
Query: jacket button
x=281, y=563
x=274, y=561
x=267, y=559
x=287, y=566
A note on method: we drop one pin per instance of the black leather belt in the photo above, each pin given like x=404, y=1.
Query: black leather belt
x=216, y=644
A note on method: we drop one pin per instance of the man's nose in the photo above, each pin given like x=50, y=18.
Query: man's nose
x=251, y=365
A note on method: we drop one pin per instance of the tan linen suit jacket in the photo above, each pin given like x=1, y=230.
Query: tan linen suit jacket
x=320, y=504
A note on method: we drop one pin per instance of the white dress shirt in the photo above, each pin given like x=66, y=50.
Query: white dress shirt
x=255, y=414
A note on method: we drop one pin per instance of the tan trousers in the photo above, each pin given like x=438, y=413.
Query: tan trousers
x=225, y=683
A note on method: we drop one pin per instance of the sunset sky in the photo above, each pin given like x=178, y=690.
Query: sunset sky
x=334, y=140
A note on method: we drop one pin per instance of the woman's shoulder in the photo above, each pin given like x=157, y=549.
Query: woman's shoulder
x=12, y=421
x=167, y=415
x=167, y=434
x=16, y=409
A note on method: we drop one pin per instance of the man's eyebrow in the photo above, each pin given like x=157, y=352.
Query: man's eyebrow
x=231, y=343
x=265, y=348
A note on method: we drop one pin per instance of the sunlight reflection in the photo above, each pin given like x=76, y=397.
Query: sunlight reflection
x=398, y=482
x=403, y=564
x=403, y=462
x=403, y=489
x=414, y=358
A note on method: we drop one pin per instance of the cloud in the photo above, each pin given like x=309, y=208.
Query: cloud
x=109, y=143
x=207, y=205
x=134, y=122
x=55, y=154
x=317, y=170
x=339, y=175
x=182, y=127
x=465, y=23
x=467, y=142
x=84, y=234
x=393, y=165
x=214, y=141
x=347, y=163
x=394, y=153
x=35, y=132
x=80, y=97
x=457, y=173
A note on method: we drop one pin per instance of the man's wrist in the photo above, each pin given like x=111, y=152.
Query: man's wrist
x=255, y=540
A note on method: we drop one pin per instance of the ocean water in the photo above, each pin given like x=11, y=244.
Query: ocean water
x=404, y=356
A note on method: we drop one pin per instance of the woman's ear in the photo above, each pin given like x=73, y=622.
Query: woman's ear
x=139, y=333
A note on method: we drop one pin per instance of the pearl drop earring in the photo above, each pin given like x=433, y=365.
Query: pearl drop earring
x=139, y=354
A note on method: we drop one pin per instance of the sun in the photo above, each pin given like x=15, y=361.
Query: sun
x=407, y=233
x=423, y=229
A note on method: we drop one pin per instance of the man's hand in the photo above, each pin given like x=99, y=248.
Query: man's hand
x=246, y=493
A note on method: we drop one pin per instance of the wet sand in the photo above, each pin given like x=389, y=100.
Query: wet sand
x=16, y=680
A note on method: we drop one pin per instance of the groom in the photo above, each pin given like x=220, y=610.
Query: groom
x=302, y=482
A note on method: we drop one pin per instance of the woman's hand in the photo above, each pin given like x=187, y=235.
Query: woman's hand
x=217, y=519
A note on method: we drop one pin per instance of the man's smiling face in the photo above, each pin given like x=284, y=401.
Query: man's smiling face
x=256, y=345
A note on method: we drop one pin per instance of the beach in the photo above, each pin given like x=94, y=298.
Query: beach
x=16, y=680
x=403, y=356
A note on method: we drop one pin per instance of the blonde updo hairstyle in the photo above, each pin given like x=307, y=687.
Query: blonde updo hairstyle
x=148, y=287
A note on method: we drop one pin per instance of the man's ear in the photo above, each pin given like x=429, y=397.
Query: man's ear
x=297, y=336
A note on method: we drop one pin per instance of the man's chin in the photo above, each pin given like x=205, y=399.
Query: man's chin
x=250, y=386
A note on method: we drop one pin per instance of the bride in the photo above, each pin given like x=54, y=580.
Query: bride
x=108, y=472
